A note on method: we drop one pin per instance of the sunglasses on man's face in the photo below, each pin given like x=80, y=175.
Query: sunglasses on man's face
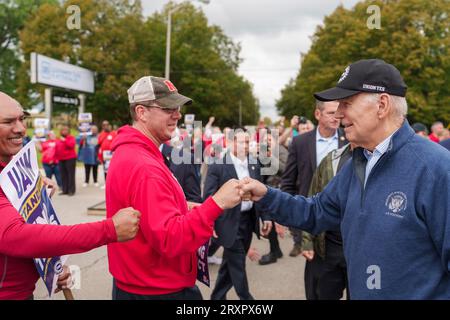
x=166, y=110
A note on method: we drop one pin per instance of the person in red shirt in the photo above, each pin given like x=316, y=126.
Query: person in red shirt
x=436, y=129
x=105, y=140
x=49, y=159
x=21, y=242
x=67, y=157
x=161, y=263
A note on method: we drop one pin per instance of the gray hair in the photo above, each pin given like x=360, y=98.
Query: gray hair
x=320, y=105
x=400, y=106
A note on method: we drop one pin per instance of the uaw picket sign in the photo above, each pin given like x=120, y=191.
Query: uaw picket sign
x=23, y=186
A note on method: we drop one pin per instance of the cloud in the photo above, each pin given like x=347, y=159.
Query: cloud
x=270, y=62
x=258, y=16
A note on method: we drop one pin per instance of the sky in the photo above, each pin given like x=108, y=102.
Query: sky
x=272, y=34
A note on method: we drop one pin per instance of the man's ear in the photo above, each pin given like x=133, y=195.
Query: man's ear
x=317, y=114
x=140, y=110
x=384, y=106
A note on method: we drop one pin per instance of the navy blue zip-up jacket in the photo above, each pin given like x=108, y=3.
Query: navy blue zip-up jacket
x=396, y=231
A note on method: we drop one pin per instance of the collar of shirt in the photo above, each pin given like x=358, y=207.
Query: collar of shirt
x=373, y=157
x=329, y=139
x=325, y=145
x=380, y=149
x=242, y=171
x=239, y=162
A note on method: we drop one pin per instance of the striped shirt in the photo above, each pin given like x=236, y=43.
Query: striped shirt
x=325, y=145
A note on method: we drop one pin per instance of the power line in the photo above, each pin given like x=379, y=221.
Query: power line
x=204, y=71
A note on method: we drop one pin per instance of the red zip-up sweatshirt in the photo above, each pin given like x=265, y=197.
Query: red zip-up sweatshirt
x=162, y=258
x=21, y=242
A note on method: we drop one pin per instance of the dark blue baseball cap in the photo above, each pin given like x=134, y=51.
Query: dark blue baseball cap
x=371, y=75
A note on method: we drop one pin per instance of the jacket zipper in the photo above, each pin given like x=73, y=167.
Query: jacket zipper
x=4, y=272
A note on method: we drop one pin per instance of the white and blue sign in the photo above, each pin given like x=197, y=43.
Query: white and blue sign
x=59, y=74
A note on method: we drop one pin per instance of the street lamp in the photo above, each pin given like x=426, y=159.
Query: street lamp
x=168, y=38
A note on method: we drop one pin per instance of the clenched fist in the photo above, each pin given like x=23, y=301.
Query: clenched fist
x=126, y=222
x=252, y=189
x=227, y=196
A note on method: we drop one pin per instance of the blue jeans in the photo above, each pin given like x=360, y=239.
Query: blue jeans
x=53, y=169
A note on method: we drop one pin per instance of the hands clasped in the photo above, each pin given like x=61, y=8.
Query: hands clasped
x=234, y=191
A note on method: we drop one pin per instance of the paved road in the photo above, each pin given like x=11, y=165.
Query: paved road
x=281, y=281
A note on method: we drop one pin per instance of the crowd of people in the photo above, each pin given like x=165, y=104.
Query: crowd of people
x=308, y=158
x=364, y=194
x=60, y=155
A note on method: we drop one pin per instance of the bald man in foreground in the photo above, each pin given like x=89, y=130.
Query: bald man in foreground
x=21, y=242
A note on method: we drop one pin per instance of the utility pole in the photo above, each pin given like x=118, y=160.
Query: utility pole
x=169, y=31
x=168, y=38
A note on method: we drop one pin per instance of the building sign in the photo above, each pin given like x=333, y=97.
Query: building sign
x=66, y=100
x=55, y=73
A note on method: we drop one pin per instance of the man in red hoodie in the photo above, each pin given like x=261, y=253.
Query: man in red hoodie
x=161, y=263
x=67, y=156
x=21, y=242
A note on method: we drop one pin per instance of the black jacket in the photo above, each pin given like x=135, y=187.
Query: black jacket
x=186, y=174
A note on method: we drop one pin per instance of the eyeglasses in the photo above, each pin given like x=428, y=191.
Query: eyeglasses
x=166, y=110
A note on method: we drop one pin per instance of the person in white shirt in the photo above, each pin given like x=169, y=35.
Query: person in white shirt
x=235, y=226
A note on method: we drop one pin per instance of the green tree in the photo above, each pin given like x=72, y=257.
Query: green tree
x=13, y=15
x=204, y=64
x=107, y=43
x=119, y=45
x=414, y=36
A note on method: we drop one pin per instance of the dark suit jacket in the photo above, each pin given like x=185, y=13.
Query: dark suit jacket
x=227, y=224
x=186, y=174
x=301, y=163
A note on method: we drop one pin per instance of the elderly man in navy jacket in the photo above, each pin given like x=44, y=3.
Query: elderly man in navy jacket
x=391, y=201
